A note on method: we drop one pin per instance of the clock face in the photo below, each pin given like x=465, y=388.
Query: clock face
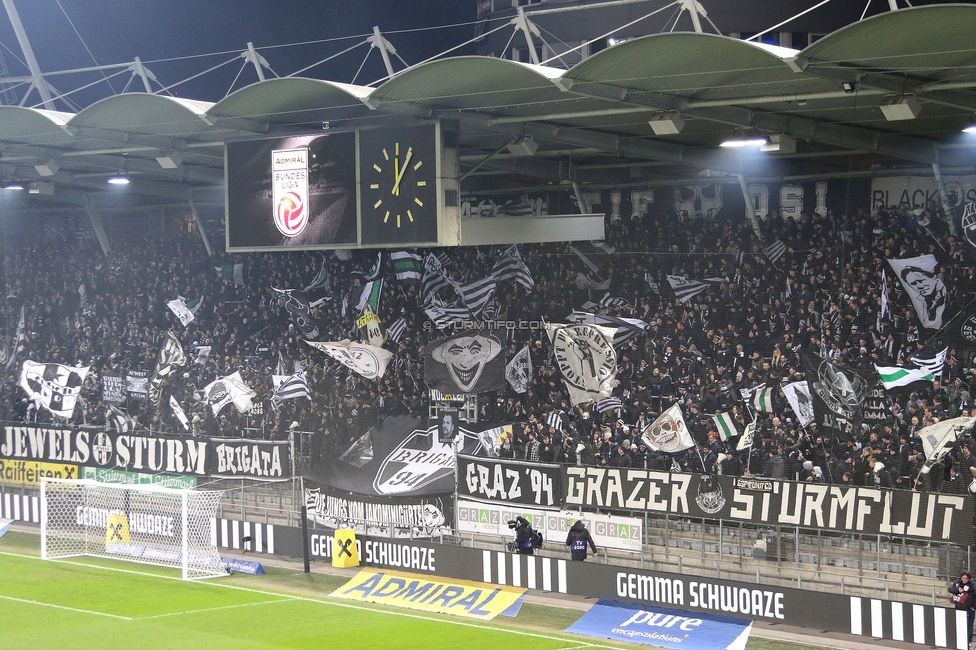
x=398, y=189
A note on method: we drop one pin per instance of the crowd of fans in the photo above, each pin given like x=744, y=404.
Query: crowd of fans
x=823, y=296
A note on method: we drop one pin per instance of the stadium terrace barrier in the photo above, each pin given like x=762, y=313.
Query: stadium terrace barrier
x=874, y=617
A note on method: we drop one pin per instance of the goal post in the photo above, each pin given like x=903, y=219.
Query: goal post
x=148, y=524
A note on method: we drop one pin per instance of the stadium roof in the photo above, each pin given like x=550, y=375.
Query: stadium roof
x=591, y=121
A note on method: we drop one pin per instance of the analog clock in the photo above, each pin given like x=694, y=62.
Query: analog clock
x=398, y=185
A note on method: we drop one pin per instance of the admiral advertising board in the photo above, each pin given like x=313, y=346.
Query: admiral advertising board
x=918, y=515
x=147, y=454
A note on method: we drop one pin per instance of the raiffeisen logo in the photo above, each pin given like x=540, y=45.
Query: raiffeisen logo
x=289, y=180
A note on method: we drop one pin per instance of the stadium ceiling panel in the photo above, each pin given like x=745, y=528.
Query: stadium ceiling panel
x=591, y=121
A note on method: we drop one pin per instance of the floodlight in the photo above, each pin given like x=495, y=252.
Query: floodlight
x=169, y=159
x=667, y=123
x=780, y=143
x=119, y=180
x=743, y=142
x=524, y=146
x=901, y=108
x=49, y=168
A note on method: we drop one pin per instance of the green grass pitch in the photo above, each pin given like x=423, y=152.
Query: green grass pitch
x=97, y=603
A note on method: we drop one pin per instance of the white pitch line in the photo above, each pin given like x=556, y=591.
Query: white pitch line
x=329, y=603
x=70, y=609
x=213, y=609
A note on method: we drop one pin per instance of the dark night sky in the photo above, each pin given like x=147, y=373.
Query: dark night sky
x=116, y=31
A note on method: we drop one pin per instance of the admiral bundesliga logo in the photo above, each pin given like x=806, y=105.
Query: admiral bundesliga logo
x=289, y=180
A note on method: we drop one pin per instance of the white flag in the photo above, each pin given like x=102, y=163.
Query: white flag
x=798, y=395
x=178, y=412
x=921, y=279
x=53, y=386
x=225, y=390
x=668, y=432
x=183, y=313
x=364, y=359
x=937, y=439
x=745, y=442
x=586, y=359
x=518, y=372
x=895, y=376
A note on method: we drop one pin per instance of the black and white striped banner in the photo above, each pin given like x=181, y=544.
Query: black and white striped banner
x=924, y=624
x=547, y=574
x=231, y=533
x=20, y=507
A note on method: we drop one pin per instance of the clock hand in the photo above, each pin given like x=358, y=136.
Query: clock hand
x=406, y=161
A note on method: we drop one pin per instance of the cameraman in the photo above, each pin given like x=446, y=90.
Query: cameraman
x=523, y=535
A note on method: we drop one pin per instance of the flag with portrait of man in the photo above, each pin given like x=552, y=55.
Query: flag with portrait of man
x=921, y=279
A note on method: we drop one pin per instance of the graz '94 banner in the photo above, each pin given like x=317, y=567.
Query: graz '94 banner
x=148, y=454
x=490, y=479
x=869, y=511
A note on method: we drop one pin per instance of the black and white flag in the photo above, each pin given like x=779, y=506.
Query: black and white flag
x=179, y=413
x=434, y=279
x=586, y=359
x=170, y=359
x=969, y=223
x=798, y=395
x=627, y=328
x=300, y=311
x=17, y=345
x=595, y=255
x=367, y=360
x=518, y=372
x=467, y=363
x=933, y=363
x=686, y=289
x=652, y=283
x=321, y=279
x=938, y=438
x=921, y=279
x=289, y=387
x=448, y=316
x=182, y=312
x=203, y=354
x=774, y=251
x=608, y=404
x=838, y=393
x=53, y=386
x=476, y=295
x=555, y=420
x=120, y=421
x=229, y=389
x=396, y=331
x=510, y=266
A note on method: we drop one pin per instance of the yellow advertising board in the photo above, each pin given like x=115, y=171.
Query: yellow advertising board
x=117, y=529
x=412, y=591
x=30, y=472
x=344, y=553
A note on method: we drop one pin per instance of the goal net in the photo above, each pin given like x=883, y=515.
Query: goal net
x=139, y=523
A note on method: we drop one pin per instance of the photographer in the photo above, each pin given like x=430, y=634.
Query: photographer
x=523, y=535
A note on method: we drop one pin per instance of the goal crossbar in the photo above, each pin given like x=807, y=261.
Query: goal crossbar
x=148, y=524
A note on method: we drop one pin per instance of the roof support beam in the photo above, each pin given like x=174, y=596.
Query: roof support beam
x=37, y=76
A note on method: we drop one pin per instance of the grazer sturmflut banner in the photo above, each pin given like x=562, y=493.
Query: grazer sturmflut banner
x=400, y=456
x=148, y=454
x=402, y=516
x=868, y=511
x=508, y=481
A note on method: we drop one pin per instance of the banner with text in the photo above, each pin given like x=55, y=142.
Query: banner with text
x=607, y=531
x=147, y=454
x=869, y=511
x=509, y=481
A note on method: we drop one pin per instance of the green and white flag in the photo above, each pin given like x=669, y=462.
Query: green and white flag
x=407, y=266
x=762, y=400
x=725, y=425
x=233, y=272
x=894, y=376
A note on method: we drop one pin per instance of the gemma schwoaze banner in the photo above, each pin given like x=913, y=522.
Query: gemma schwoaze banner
x=147, y=454
x=458, y=597
x=869, y=511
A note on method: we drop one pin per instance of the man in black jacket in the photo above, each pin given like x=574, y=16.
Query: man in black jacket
x=964, y=590
x=577, y=540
